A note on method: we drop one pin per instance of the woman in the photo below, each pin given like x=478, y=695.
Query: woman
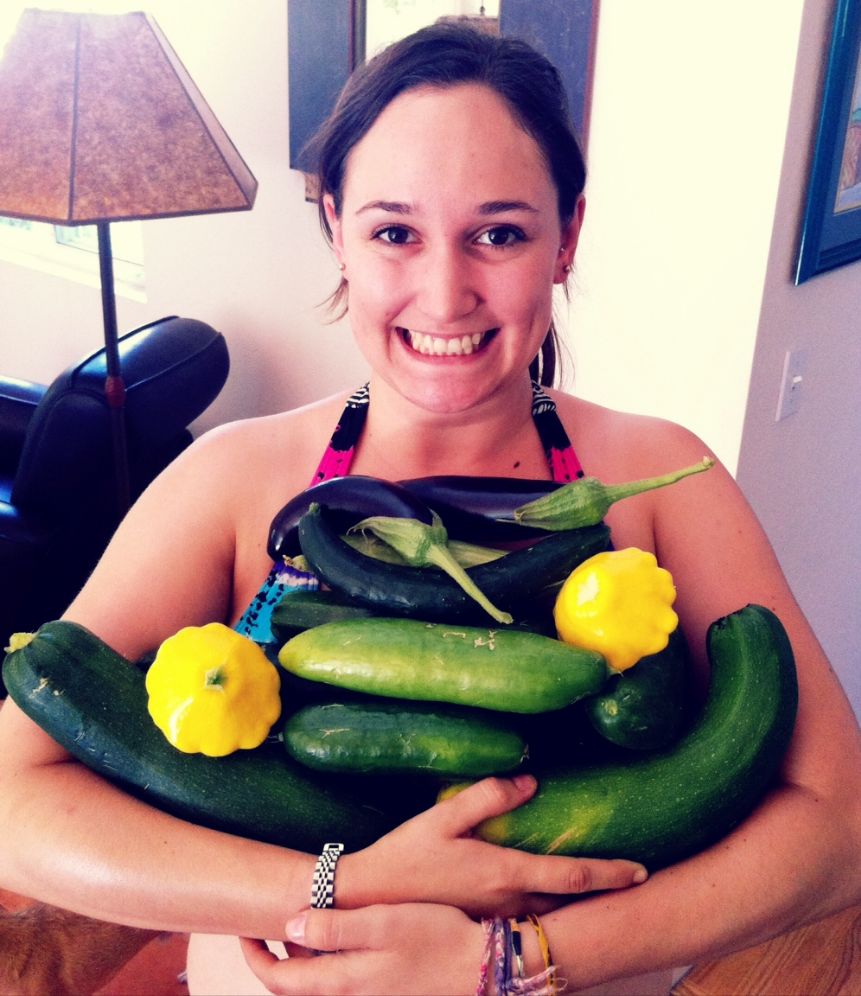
x=452, y=190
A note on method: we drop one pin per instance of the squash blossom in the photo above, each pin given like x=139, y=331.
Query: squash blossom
x=617, y=603
x=213, y=691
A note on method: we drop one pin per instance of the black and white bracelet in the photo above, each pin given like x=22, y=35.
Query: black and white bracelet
x=323, y=883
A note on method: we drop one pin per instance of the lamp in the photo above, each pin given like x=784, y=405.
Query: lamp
x=100, y=122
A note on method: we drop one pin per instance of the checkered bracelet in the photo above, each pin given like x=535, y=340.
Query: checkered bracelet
x=323, y=883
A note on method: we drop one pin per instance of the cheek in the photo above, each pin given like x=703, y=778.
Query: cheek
x=526, y=297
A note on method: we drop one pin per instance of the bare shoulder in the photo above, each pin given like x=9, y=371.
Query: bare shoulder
x=200, y=529
x=615, y=445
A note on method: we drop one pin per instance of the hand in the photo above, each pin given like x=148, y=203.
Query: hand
x=433, y=858
x=406, y=949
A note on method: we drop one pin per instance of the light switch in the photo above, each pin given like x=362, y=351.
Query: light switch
x=791, y=381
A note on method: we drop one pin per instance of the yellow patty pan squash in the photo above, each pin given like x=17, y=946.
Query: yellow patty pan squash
x=213, y=691
x=618, y=603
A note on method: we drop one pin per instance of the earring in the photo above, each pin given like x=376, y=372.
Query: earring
x=342, y=267
x=566, y=268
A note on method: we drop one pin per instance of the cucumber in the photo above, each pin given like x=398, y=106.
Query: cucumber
x=93, y=703
x=645, y=707
x=300, y=610
x=660, y=808
x=397, y=737
x=513, y=582
x=500, y=669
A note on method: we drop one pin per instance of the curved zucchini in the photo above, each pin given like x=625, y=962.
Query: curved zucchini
x=501, y=669
x=513, y=582
x=398, y=737
x=93, y=703
x=663, y=807
x=645, y=707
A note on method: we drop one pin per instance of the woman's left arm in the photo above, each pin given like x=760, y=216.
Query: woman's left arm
x=795, y=858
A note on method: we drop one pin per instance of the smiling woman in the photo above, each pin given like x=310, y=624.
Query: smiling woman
x=452, y=197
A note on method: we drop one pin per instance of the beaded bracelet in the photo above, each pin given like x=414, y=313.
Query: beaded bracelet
x=323, y=883
x=502, y=947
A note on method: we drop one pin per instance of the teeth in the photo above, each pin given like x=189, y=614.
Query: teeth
x=428, y=345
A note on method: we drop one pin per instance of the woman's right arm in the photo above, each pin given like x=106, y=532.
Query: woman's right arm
x=73, y=840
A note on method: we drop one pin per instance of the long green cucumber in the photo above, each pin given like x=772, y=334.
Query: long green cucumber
x=377, y=737
x=513, y=582
x=93, y=703
x=501, y=669
x=661, y=808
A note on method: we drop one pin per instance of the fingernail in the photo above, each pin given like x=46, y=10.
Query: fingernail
x=524, y=782
x=295, y=928
x=640, y=875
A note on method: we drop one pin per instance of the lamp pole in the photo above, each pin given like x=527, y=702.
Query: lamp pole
x=115, y=388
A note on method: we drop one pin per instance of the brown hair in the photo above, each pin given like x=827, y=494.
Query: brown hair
x=444, y=55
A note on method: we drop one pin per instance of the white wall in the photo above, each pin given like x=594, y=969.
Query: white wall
x=803, y=474
x=688, y=120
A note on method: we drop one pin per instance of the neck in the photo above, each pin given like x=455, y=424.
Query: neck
x=495, y=438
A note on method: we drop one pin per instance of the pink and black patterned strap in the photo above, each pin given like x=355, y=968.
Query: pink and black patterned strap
x=561, y=458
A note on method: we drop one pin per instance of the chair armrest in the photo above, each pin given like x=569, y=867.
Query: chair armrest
x=18, y=401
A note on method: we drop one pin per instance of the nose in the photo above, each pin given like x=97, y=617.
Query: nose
x=446, y=285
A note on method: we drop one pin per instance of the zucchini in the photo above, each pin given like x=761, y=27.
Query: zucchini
x=645, y=707
x=304, y=609
x=397, y=737
x=660, y=808
x=93, y=703
x=500, y=669
x=512, y=582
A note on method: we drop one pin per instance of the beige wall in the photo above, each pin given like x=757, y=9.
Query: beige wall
x=803, y=474
x=683, y=304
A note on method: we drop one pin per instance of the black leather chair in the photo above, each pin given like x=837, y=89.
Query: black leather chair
x=58, y=504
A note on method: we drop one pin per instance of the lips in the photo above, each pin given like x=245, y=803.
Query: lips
x=432, y=345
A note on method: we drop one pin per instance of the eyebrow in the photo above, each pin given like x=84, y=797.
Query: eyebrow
x=487, y=208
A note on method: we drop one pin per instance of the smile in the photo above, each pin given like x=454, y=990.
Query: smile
x=431, y=345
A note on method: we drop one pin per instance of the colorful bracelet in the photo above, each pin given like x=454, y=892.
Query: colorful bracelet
x=323, y=883
x=502, y=949
x=544, y=946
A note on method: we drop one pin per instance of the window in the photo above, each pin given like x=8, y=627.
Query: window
x=73, y=252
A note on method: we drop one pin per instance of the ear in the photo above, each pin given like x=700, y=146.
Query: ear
x=569, y=239
x=335, y=225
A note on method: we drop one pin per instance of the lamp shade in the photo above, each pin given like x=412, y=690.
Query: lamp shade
x=99, y=121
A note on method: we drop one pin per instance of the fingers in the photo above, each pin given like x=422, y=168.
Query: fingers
x=332, y=930
x=567, y=876
x=489, y=797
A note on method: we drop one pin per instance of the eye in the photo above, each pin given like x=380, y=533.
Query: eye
x=394, y=235
x=501, y=236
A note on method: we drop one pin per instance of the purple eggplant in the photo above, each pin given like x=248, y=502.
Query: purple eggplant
x=348, y=500
x=480, y=509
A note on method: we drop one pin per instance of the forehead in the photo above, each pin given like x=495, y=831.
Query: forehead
x=434, y=142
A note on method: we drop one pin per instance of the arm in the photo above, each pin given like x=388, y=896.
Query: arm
x=795, y=859
x=75, y=841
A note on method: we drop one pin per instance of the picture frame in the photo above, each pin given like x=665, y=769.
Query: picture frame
x=326, y=41
x=831, y=228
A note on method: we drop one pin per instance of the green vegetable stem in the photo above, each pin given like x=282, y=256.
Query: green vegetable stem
x=585, y=502
x=422, y=545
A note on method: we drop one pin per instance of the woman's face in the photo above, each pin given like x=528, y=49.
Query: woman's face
x=450, y=237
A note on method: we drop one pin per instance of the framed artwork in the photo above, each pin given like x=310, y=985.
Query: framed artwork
x=327, y=40
x=831, y=231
